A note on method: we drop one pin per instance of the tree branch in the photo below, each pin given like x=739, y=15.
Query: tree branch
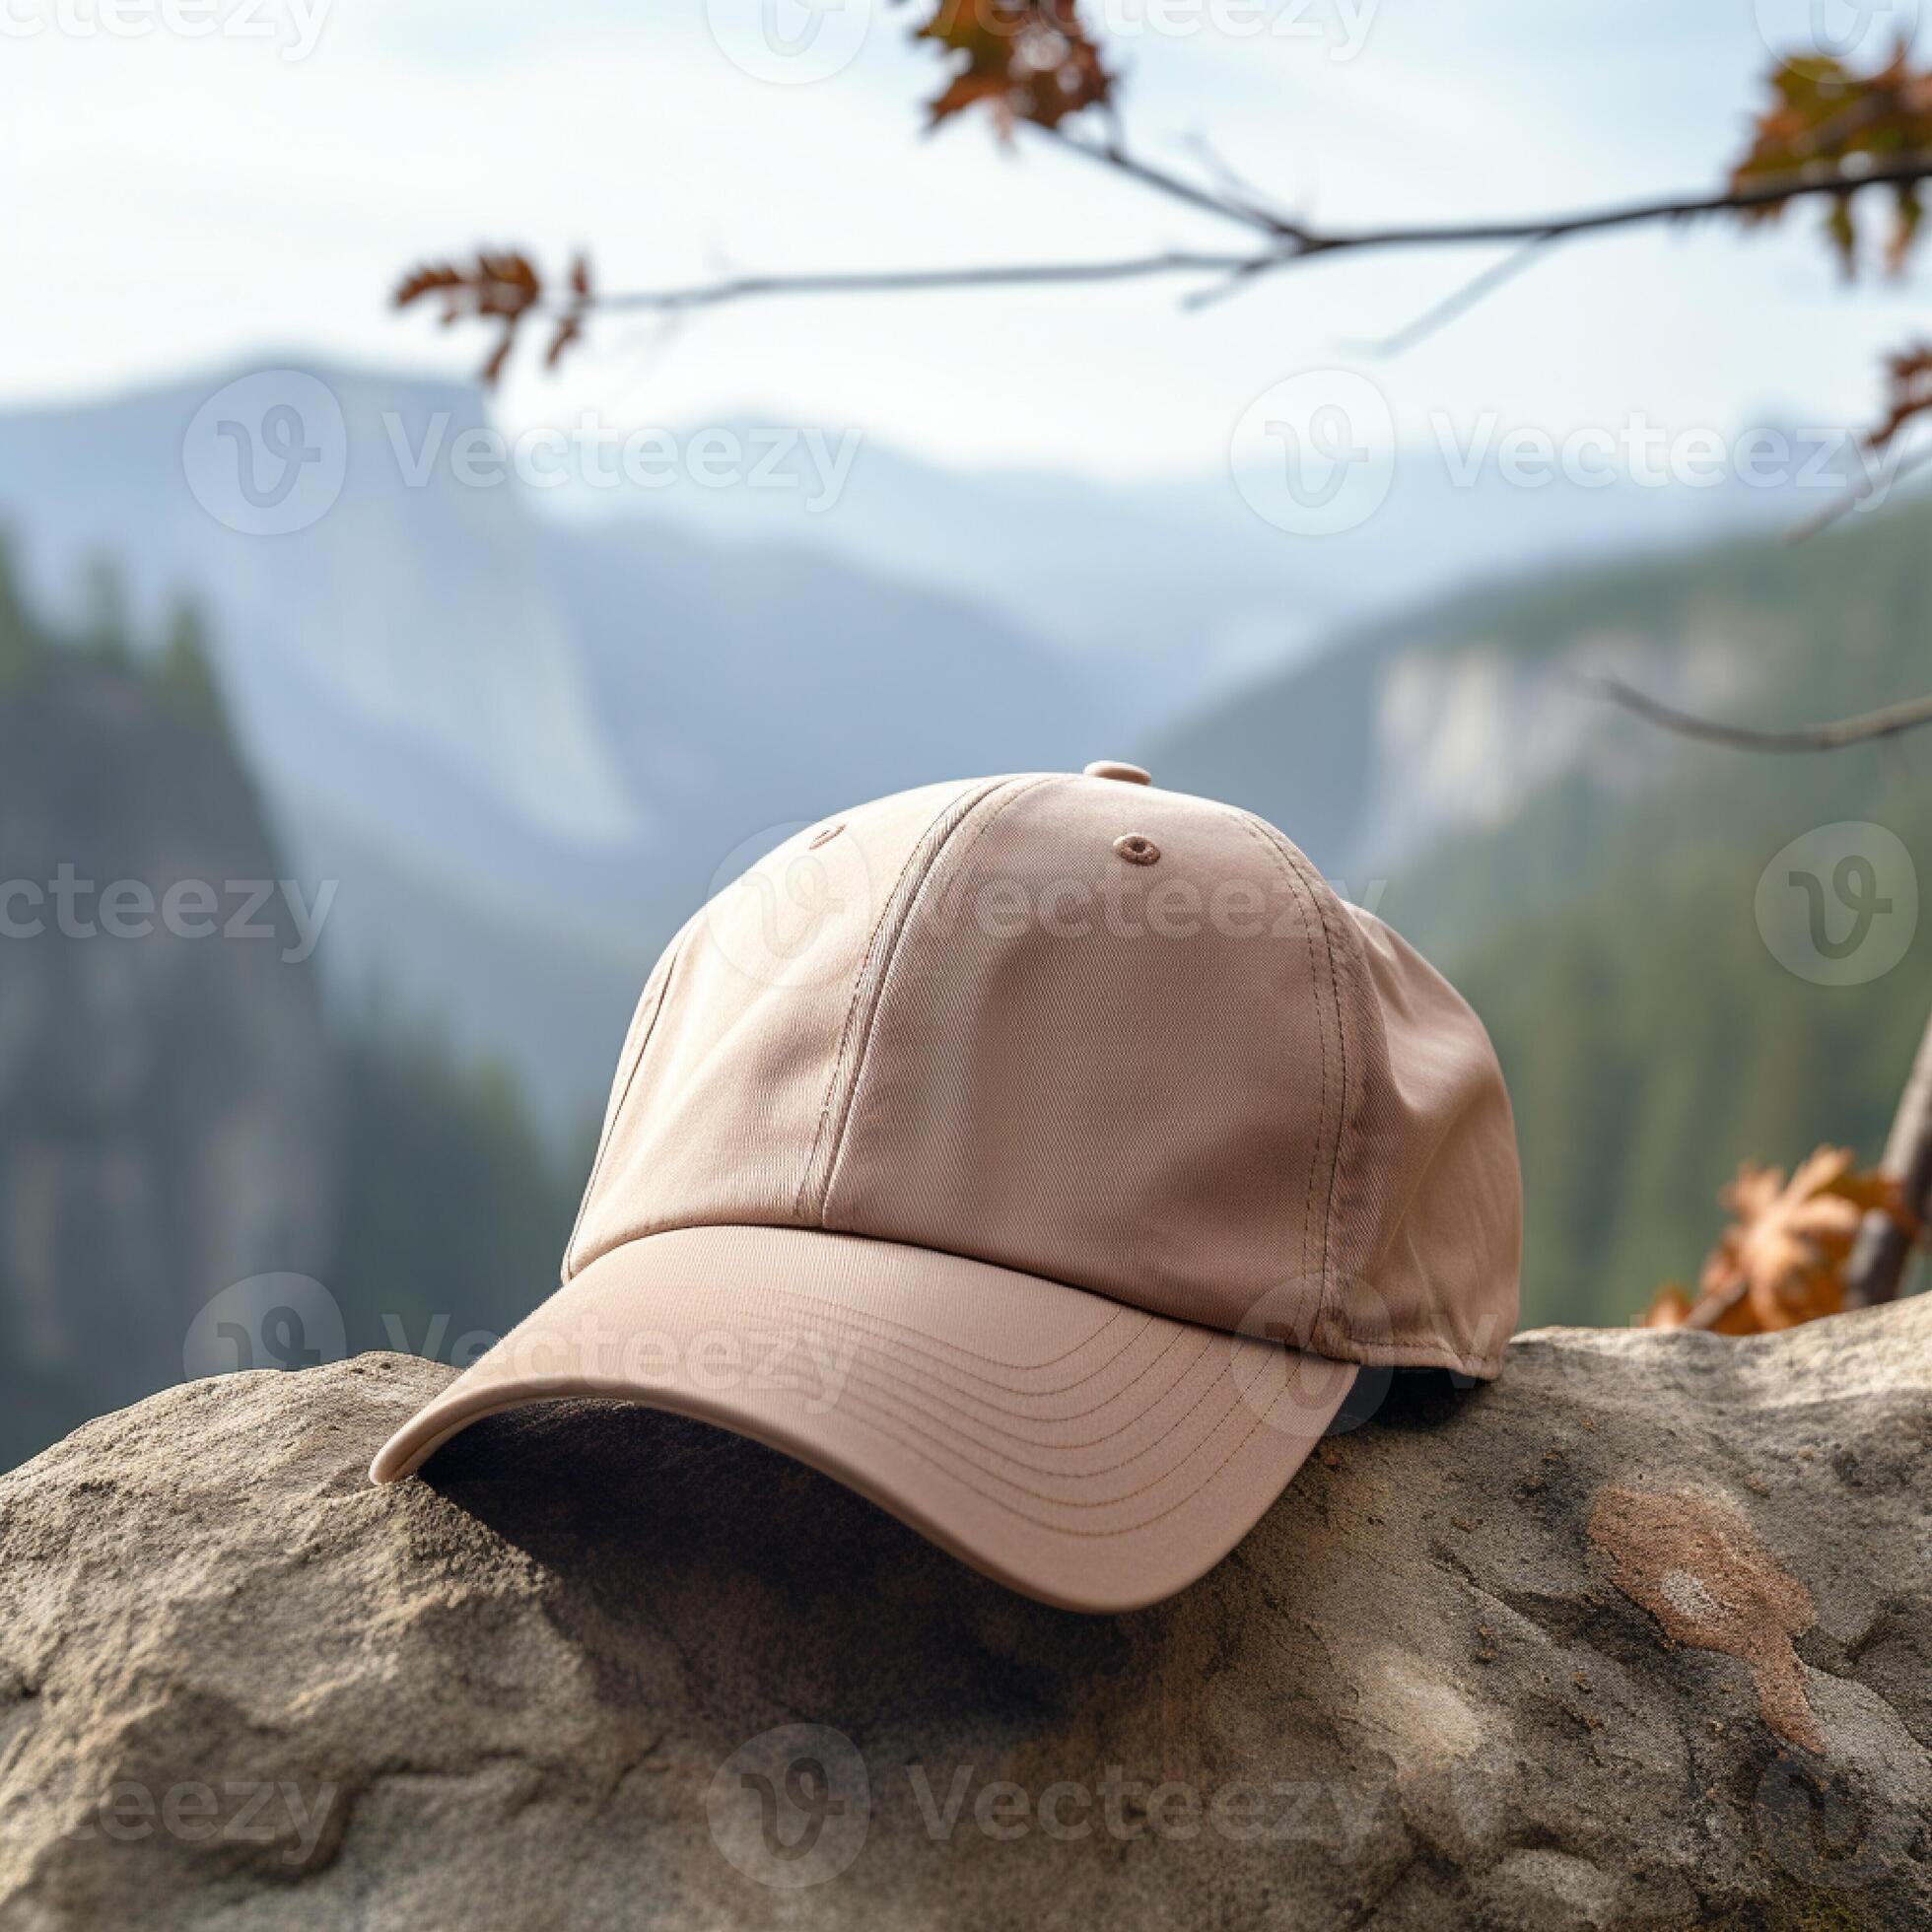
x=1876, y=1270
x=1285, y=243
x=1868, y=726
x=891, y=281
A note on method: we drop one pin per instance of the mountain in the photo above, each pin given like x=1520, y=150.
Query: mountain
x=1628, y=909
x=1177, y=586
x=199, y=1170
x=523, y=749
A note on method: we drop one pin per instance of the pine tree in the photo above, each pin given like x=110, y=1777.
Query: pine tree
x=185, y=673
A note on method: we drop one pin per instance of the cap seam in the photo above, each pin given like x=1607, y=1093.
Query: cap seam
x=1347, y=1116
x=1433, y=1351
x=673, y=957
x=982, y=822
x=900, y=900
x=1299, y=886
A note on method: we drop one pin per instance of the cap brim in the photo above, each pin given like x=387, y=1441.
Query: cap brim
x=1087, y=1453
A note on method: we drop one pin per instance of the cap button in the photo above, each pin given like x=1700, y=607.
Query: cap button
x=1113, y=767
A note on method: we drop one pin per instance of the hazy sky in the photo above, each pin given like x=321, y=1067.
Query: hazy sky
x=176, y=202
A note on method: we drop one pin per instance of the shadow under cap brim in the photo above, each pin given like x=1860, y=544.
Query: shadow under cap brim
x=1092, y=1455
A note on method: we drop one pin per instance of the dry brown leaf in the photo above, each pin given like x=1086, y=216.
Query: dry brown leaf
x=1781, y=1261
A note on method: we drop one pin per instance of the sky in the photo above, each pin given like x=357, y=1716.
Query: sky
x=203, y=183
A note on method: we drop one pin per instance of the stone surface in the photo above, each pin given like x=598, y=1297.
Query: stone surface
x=1637, y=1636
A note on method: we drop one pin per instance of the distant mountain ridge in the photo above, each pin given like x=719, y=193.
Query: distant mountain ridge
x=1177, y=584
x=513, y=740
x=1594, y=885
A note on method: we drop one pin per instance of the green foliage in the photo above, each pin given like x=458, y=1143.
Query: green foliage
x=184, y=673
x=107, y=624
x=451, y=1204
x=24, y=645
x=1650, y=1039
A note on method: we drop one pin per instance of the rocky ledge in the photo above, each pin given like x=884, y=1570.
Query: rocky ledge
x=1637, y=1636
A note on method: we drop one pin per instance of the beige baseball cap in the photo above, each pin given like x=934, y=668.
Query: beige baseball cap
x=1041, y=1156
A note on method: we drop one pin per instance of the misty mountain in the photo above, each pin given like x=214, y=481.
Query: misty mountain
x=524, y=748
x=1625, y=907
x=1178, y=586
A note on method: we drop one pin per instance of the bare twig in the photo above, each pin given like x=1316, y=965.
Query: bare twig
x=1630, y=214
x=744, y=288
x=1287, y=242
x=1439, y=314
x=1882, y=723
x=1230, y=207
x=1854, y=494
x=1876, y=1270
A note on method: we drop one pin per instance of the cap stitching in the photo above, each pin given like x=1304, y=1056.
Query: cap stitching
x=674, y=955
x=1298, y=886
x=926, y=1360
x=965, y=806
x=981, y=822
x=1173, y=1469
x=895, y=1388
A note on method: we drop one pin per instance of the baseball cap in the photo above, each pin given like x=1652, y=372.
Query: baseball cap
x=1043, y=1157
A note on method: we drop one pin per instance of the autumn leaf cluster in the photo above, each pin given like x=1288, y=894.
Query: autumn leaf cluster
x=505, y=286
x=1826, y=116
x=1024, y=60
x=1782, y=1259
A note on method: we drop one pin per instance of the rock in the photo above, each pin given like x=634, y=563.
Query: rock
x=1636, y=1636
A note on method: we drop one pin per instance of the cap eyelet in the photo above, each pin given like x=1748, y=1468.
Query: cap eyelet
x=1136, y=849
